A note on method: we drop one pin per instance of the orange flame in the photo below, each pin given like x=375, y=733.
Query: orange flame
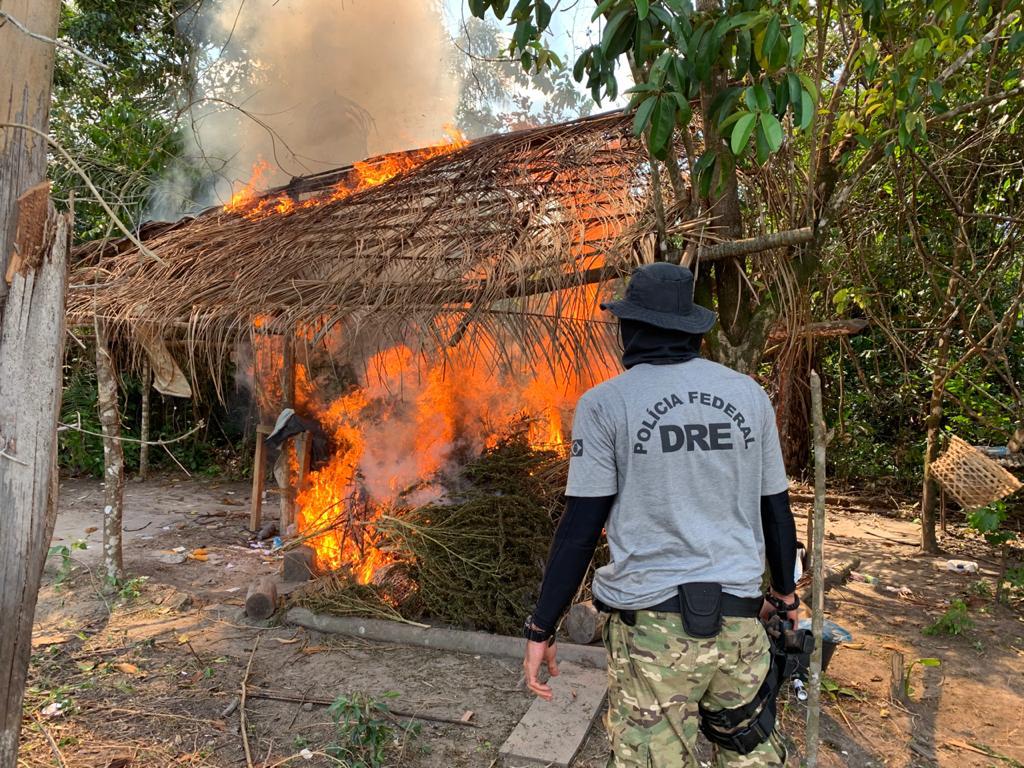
x=413, y=420
x=366, y=173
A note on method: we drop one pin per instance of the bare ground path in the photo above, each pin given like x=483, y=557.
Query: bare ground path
x=148, y=678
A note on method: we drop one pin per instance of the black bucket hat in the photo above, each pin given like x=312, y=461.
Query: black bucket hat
x=661, y=294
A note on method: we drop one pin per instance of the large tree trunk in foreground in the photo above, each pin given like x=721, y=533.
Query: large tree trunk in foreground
x=31, y=353
x=113, y=459
x=31, y=347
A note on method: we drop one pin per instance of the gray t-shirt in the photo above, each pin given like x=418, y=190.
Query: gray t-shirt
x=688, y=449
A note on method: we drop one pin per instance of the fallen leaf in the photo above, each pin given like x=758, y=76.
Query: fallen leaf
x=282, y=641
x=129, y=669
x=315, y=648
x=854, y=646
x=467, y=716
x=182, y=639
x=119, y=762
x=91, y=529
x=86, y=666
x=891, y=647
x=883, y=712
x=219, y=725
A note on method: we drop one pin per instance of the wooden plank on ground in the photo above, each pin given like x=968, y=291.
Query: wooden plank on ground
x=552, y=732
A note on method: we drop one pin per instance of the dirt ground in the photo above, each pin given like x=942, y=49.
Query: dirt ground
x=151, y=677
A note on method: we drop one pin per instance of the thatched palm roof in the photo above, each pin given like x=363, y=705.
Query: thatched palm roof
x=491, y=234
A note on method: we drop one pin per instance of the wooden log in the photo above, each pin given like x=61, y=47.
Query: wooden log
x=31, y=358
x=261, y=599
x=832, y=580
x=584, y=623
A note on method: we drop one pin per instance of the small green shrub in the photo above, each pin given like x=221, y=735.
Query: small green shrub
x=954, y=621
x=64, y=550
x=364, y=730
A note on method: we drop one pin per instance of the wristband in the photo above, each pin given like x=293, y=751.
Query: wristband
x=780, y=605
x=533, y=633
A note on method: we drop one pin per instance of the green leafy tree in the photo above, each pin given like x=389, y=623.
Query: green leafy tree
x=118, y=113
x=768, y=116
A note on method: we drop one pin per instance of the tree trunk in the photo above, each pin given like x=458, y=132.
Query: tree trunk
x=33, y=254
x=147, y=386
x=113, y=460
x=793, y=404
x=930, y=490
x=31, y=356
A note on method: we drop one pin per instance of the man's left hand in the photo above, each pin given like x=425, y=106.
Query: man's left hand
x=767, y=610
x=537, y=654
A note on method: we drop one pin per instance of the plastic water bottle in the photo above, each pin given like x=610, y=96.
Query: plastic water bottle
x=962, y=566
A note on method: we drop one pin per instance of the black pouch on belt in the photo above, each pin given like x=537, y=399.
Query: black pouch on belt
x=700, y=605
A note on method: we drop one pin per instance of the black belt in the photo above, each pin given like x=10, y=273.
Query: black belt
x=737, y=607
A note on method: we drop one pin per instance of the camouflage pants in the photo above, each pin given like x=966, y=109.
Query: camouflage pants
x=657, y=675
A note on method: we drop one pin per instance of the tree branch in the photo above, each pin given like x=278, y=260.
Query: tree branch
x=963, y=108
x=751, y=245
x=5, y=17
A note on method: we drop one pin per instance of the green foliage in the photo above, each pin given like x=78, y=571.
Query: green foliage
x=364, y=730
x=954, y=621
x=988, y=521
x=910, y=668
x=130, y=589
x=64, y=550
x=120, y=122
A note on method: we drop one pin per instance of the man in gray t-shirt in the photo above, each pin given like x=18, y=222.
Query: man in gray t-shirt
x=688, y=451
x=678, y=460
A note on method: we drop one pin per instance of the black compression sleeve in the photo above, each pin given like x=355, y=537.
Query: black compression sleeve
x=571, y=552
x=779, y=540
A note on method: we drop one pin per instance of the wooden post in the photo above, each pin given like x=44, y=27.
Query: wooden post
x=113, y=459
x=288, y=401
x=817, y=573
x=33, y=281
x=259, y=473
x=304, y=453
x=147, y=386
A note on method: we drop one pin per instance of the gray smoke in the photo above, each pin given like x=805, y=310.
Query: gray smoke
x=308, y=85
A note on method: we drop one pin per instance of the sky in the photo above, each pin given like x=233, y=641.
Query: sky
x=570, y=32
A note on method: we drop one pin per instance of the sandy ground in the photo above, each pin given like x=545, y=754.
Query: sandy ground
x=149, y=678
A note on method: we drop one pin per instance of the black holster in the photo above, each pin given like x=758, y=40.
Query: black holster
x=700, y=605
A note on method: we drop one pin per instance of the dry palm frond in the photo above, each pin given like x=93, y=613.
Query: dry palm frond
x=491, y=241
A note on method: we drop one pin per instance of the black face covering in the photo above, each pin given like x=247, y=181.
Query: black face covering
x=643, y=343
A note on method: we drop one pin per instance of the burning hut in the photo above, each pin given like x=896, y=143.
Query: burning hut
x=414, y=305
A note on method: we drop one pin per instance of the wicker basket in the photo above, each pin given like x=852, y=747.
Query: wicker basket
x=971, y=477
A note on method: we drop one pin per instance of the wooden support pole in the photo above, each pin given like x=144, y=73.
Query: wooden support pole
x=288, y=401
x=259, y=474
x=304, y=455
x=147, y=386
x=817, y=573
